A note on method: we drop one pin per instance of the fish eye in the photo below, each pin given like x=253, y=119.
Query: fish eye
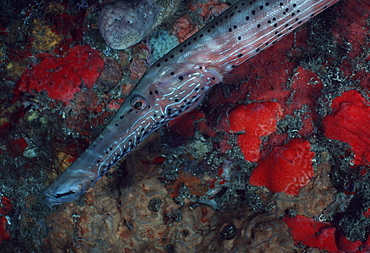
x=138, y=102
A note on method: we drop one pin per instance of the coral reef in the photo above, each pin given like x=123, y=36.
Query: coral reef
x=290, y=165
x=256, y=120
x=312, y=233
x=62, y=77
x=191, y=186
x=5, y=207
x=348, y=123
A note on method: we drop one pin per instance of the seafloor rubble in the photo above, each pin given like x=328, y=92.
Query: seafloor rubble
x=275, y=159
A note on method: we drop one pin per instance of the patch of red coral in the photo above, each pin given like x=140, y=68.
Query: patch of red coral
x=367, y=213
x=4, y=235
x=62, y=77
x=346, y=245
x=16, y=146
x=5, y=207
x=5, y=129
x=312, y=233
x=351, y=28
x=184, y=28
x=322, y=235
x=185, y=125
x=285, y=169
x=306, y=88
x=349, y=122
x=270, y=71
x=254, y=121
x=210, y=9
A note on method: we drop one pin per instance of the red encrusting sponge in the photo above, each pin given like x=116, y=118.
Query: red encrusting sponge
x=312, y=233
x=349, y=122
x=5, y=207
x=254, y=120
x=61, y=77
x=285, y=169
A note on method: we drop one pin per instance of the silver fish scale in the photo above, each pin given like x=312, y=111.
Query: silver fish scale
x=177, y=83
x=242, y=31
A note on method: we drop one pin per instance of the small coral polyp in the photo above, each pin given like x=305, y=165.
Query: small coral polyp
x=62, y=77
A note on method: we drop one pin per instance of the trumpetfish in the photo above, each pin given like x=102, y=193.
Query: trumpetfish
x=177, y=82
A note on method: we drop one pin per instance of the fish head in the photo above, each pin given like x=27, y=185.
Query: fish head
x=160, y=96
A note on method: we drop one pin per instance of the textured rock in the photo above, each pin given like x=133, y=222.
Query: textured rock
x=124, y=24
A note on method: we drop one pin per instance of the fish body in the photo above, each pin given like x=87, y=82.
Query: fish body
x=177, y=82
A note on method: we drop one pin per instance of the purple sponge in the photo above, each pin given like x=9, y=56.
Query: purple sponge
x=124, y=24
